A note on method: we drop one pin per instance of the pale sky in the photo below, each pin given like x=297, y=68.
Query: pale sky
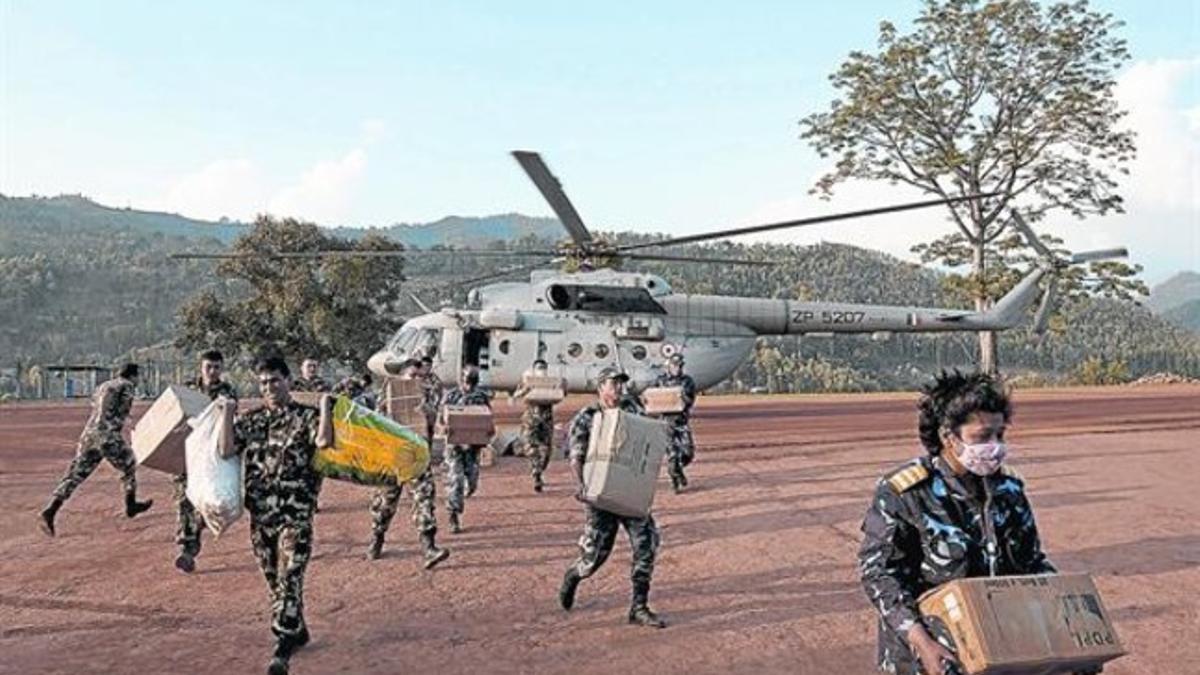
x=675, y=116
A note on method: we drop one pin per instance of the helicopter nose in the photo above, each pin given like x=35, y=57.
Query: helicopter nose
x=382, y=364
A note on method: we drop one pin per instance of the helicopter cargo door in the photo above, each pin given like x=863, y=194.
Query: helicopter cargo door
x=511, y=353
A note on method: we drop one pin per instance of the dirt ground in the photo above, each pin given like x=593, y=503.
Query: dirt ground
x=756, y=571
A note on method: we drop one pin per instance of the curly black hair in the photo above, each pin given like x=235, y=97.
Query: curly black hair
x=952, y=398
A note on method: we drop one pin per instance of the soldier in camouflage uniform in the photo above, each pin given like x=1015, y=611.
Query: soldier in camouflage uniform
x=102, y=439
x=537, y=430
x=683, y=446
x=424, y=492
x=433, y=390
x=600, y=528
x=357, y=388
x=956, y=512
x=309, y=379
x=462, y=461
x=188, y=523
x=277, y=443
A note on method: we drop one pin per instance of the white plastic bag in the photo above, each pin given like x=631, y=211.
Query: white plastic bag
x=214, y=483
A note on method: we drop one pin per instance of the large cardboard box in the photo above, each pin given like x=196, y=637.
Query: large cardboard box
x=1032, y=625
x=623, y=459
x=158, y=437
x=469, y=425
x=663, y=400
x=402, y=400
x=544, y=390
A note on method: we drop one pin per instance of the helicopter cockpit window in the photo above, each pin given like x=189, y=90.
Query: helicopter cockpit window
x=622, y=299
x=416, y=342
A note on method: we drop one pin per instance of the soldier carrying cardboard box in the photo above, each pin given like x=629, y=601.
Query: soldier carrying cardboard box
x=600, y=527
x=954, y=513
x=188, y=523
x=683, y=445
x=537, y=421
x=462, y=461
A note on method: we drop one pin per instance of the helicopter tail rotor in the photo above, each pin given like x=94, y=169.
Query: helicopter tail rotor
x=1054, y=265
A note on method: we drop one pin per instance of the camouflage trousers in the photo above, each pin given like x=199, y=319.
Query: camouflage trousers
x=88, y=454
x=600, y=534
x=188, y=523
x=387, y=499
x=283, y=550
x=462, y=475
x=682, y=450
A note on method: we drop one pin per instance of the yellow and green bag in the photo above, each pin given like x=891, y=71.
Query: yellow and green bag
x=370, y=448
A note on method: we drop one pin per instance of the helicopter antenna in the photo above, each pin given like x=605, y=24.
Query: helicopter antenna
x=552, y=190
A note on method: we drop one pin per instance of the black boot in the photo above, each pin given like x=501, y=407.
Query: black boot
x=133, y=506
x=455, y=523
x=284, y=646
x=538, y=484
x=47, y=515
x=639, y=610
x=433, y=554
x=566, y=592
x=185, y=562
x=375, y=550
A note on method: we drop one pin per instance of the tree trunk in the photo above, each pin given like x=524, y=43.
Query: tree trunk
x=988, y=362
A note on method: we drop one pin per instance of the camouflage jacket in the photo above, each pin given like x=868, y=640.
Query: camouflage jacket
x=538, y=419
x=457, y=396
x=221, y=388
x=431, y=395
x=580, y=433
x=317, y=384
x=689, y=392
x=277, y=447
x=111, y=403
x=927, y=526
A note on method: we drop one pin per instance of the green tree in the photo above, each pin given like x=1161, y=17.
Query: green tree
x=330, y=307
x=1004, y=97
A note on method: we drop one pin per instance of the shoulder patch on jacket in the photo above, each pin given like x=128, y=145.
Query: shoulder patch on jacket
x=906, y=477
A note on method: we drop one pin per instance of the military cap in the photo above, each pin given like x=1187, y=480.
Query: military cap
x=611, y=373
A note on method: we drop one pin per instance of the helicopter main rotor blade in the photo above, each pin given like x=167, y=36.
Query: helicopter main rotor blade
x=358, y=254
x=684, y=258
x=500, y=273
x=552, y=191
x=733, y=232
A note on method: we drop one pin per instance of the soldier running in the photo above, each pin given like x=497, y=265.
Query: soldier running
x=600, y=527
x=102, y=439
x=277, y=443
x=462, y=461
x=537, y=430
x=956, y=512
x=683, y=446
x=424, y=491
x=188, y=523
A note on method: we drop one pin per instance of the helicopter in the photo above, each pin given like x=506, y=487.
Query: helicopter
x=588, y=316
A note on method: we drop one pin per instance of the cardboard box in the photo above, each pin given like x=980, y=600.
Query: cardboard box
x=546, y=390
x=663, y=400
x=402, y=399
x=158, y=437
x=469, y=425
x=623, y=459
x=1023, y=624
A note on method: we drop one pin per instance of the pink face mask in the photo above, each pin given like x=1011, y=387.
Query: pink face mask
x=982, y=459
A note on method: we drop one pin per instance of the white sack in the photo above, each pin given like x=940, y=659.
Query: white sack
x=214, y=483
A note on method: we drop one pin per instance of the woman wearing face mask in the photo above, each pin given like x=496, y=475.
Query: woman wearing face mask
x=959, y=511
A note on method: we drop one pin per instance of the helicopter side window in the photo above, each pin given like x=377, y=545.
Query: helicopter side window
x=601, y=351
x=503, y=347
x=574, y=350
x=638, y=352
